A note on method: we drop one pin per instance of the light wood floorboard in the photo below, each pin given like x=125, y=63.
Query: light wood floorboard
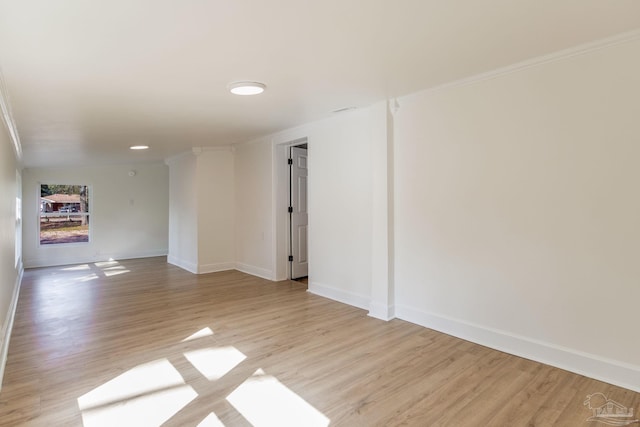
x=78, y=328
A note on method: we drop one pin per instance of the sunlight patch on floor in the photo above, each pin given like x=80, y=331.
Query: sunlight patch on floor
x=211, y=421
x=77, y=268
x=204, y=332
x=148, y=410
x=214, y=363
x=265, y=401
x=146, y=378
x=114, y=271
x=103, y=264
x=108, y=268
x=147, y=395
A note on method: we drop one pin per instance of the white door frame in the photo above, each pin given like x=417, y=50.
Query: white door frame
x=281, y=231
x=298, y=219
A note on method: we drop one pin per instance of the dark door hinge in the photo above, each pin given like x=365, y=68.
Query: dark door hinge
x=290, y=257
x=290, y=161
x=290, y=209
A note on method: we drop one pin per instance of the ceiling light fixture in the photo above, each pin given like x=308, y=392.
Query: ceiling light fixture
x=246, y=88
x=139, y=147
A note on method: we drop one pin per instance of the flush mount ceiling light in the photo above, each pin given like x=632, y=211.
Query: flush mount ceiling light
x=139, y=147
x=246, y=88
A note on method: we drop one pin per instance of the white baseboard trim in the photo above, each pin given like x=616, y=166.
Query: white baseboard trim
x=54, y=261
x=339, y=295
x=214, y=268
x=254, y=271
x=191, y=267
x=8, y=323
x=603, y=369
x=381, y=311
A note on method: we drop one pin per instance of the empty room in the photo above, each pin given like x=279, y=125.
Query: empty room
x=319, y=213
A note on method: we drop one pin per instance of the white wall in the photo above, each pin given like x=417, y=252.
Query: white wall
x=183, y=208
x=382, y=304
x=340, y=209
x=215, y=207
x=253, y=214
x=201, y=212
x=517, y=216
x=10, y=271
x=129, y=214
x=340, y=202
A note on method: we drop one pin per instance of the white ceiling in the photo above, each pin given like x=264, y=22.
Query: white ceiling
x=87, y=79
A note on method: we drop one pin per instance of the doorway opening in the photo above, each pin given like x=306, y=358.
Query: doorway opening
x=298, y=213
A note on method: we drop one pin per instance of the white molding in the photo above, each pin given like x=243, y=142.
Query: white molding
x=254, y=271
x=54, y=261
x=356, y=300
x=381, y=311
x=215, y=267
x=7, y=119
x=7, y=326
x=581, y=49
x=279, y=198
x=603, y=369
x=191, y=267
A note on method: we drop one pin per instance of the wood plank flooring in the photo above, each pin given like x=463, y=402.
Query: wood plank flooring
x=114, y=344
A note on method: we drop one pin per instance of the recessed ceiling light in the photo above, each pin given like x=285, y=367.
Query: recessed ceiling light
x=246, y=88
x=139, y=147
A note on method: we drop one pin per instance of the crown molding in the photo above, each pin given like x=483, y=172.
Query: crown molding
x=578, y=50
x=7, y=118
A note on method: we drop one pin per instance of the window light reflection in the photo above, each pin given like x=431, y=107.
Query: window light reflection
x=211, y=421
x=77, y=268
x=115, y=271
x=204, y=332
x=88, y=277
x=214, y=363
x=103, y=264
x=149, y=394
x=265, y=401
x=149, y=377
x=148, y=410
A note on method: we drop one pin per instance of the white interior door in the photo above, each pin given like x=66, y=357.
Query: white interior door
x=299, y=216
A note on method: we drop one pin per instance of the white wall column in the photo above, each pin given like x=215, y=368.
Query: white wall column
x=201, y=210
x=382, y=286
x=183, y=232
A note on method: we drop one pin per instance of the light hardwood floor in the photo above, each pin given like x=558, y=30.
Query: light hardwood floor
x=96, y=342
